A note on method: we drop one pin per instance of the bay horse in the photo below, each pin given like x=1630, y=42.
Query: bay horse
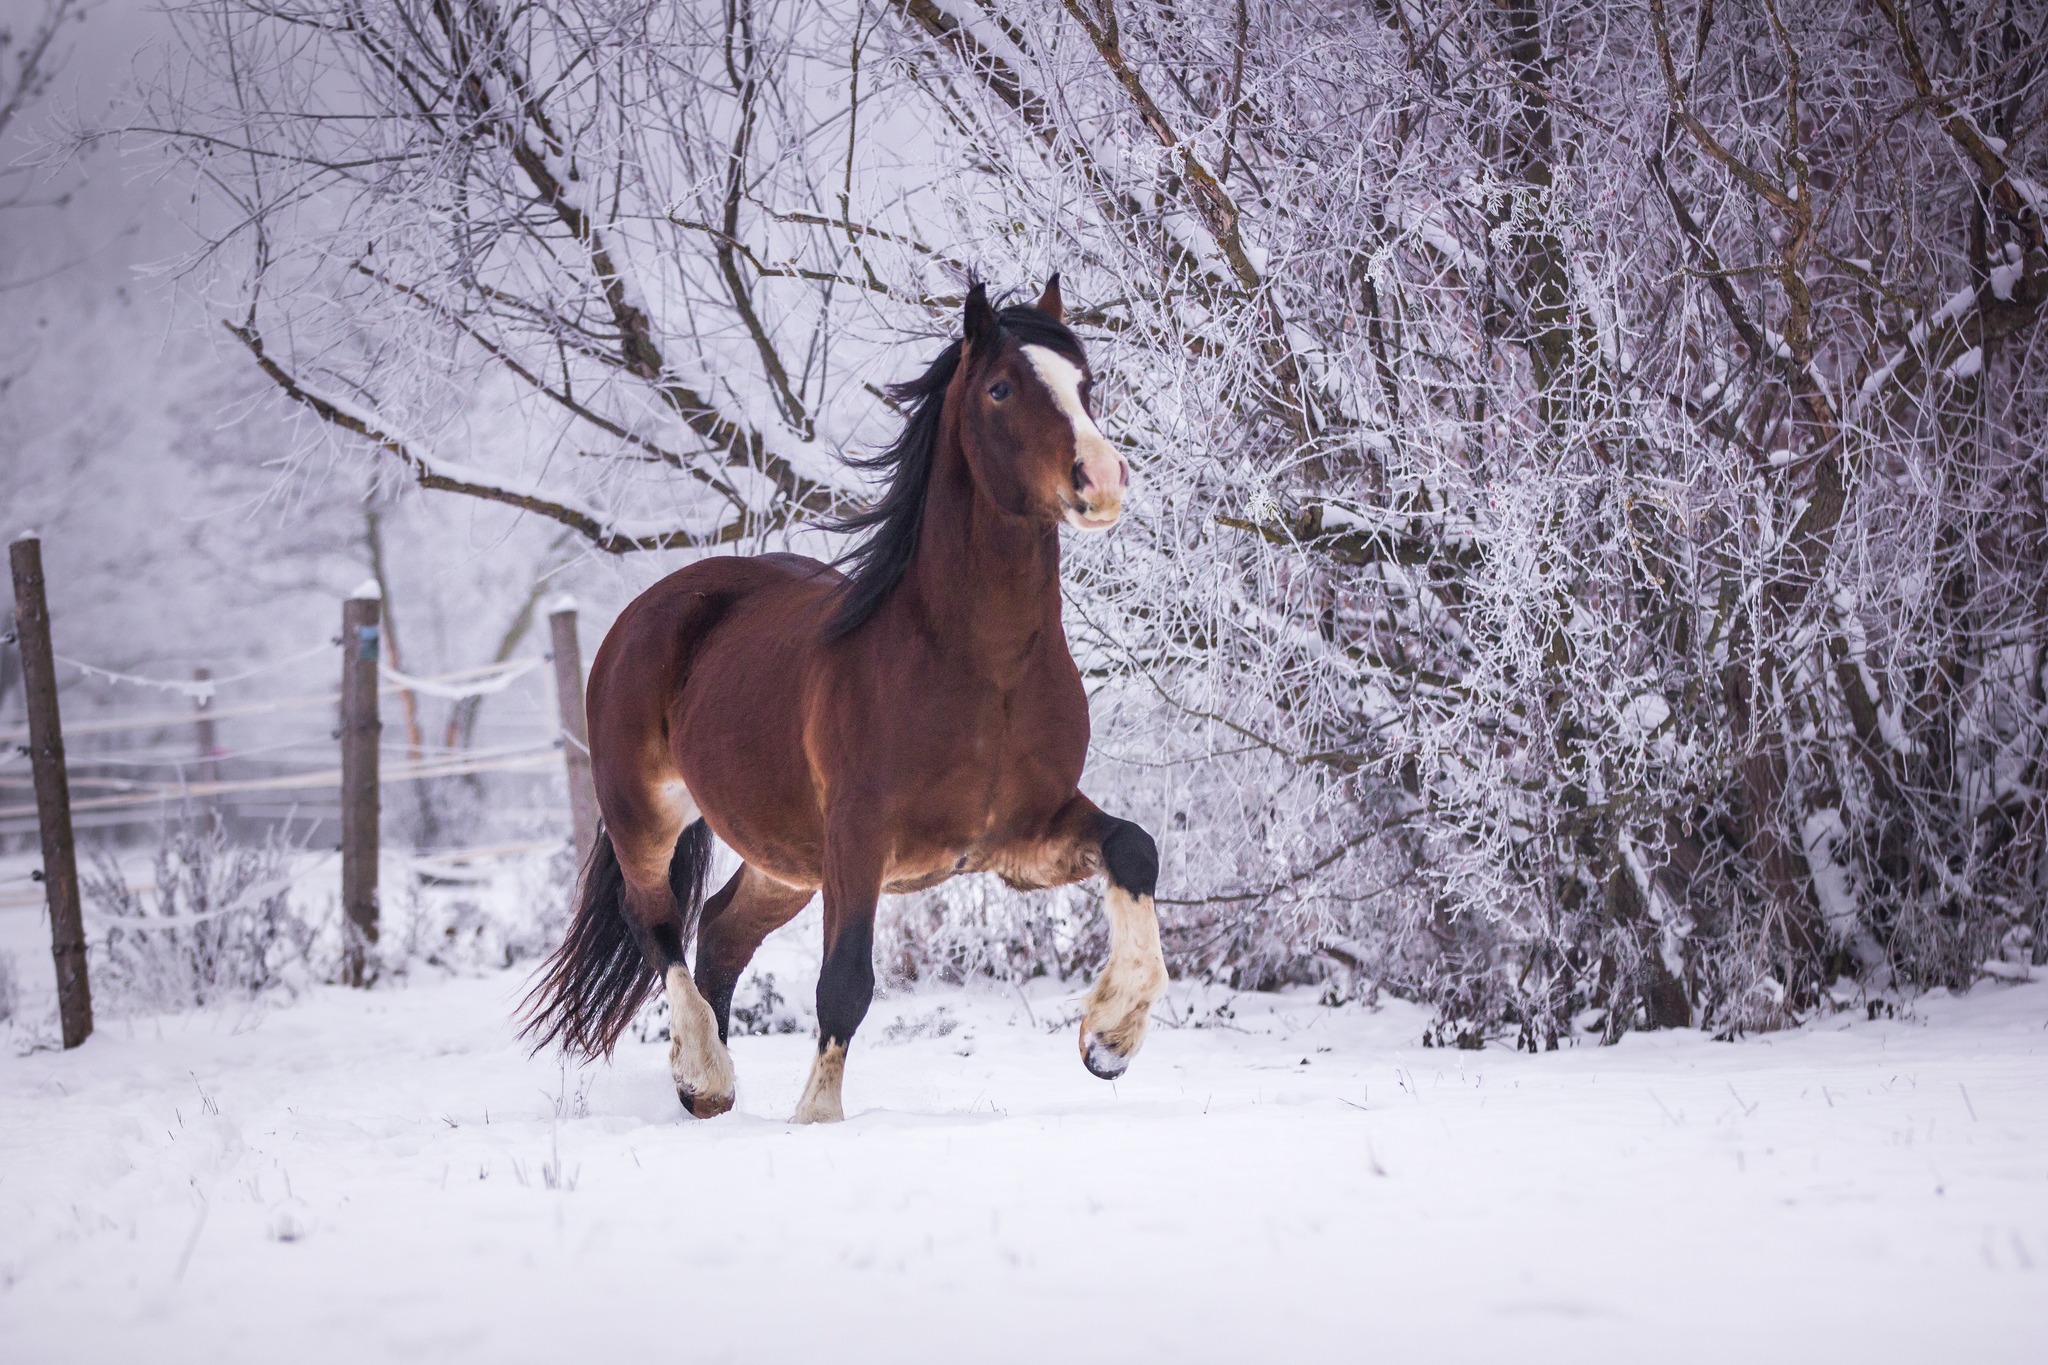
x=881, y=730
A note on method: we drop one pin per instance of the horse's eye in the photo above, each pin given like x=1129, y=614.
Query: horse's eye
x=999, y=390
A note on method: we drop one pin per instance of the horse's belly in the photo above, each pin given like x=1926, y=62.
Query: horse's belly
x=973, y=826
x=923, y=881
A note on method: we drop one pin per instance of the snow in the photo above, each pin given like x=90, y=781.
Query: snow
x=2008, y=273
x=367, y=591
x=385, y=1174
x=1645, y=713
x=1819, y=834
x=2030, y=193
x=1673, y=926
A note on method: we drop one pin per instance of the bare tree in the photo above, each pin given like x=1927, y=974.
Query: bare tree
x=595, y=260
x=1639, y=432
x=29, y=60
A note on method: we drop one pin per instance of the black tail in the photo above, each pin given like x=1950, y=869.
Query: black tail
x=599, y=978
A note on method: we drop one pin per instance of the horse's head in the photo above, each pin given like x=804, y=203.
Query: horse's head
x=1025, y=419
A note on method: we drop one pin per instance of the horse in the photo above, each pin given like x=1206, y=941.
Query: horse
x=878, y=730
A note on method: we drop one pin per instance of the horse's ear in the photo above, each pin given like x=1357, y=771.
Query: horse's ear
x=1049, y=302
x=981, y=319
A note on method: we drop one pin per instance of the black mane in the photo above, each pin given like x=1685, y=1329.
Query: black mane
x=876, y=565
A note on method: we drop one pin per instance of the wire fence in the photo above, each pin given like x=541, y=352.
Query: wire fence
x=122, y=797
x=99, y=788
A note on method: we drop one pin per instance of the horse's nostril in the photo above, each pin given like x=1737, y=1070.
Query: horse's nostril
x=1080, y=476
x=1123, y=472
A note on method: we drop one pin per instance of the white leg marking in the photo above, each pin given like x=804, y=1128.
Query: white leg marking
x=1103, y=500
x=1119, y=1009
x=820, y=1102
x=699, y=1062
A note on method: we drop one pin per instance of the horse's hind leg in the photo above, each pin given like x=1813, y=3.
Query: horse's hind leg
x=663, y=851
x=750, y=907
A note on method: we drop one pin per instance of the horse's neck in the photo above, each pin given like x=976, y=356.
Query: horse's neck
x=986, y=585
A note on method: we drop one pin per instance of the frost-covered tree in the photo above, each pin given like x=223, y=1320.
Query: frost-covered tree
x=1589, y=558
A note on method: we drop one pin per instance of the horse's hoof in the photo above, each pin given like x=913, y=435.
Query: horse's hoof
x=820, y=1113
x=1103, y=1061
x=704, y=1106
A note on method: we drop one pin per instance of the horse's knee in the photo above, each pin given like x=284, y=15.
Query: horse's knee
x=1131, y=858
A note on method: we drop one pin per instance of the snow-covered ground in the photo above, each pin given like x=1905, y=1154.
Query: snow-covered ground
x=386, y=1175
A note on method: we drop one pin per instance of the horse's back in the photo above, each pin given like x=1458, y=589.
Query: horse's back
x=745, y=574
x=665, y=635
x=674, y=613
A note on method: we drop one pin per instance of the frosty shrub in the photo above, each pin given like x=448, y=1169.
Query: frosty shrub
x=10, y=989
x=504, y=915
x=937, y=1022
x=219, y=924
x=977, y=927
x=758, y=1009
x=1589, y=549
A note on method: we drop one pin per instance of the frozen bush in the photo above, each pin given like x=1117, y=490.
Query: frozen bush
x=219, y=923
x=758, y=1009
x=977, y=927
x=495, y=917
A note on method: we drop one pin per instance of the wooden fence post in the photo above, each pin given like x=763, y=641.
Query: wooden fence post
x=361, y=731
x=568, y=652
x=53, y=789
x=207, y=740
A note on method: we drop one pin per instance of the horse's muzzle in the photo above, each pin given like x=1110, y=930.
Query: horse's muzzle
x=1100, y=479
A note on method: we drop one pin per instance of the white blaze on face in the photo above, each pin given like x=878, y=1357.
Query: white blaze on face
x=1097, y=505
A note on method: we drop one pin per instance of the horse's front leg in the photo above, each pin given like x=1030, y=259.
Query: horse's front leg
x=846, y=979
x=1120, y=1007
x=1082, y=841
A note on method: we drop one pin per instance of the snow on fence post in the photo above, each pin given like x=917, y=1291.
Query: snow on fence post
x=568, y=657
x=361, y=730
x=53, y=789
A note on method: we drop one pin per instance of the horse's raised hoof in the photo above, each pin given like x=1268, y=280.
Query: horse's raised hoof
x=1103, y=1061
x=704, y=1106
